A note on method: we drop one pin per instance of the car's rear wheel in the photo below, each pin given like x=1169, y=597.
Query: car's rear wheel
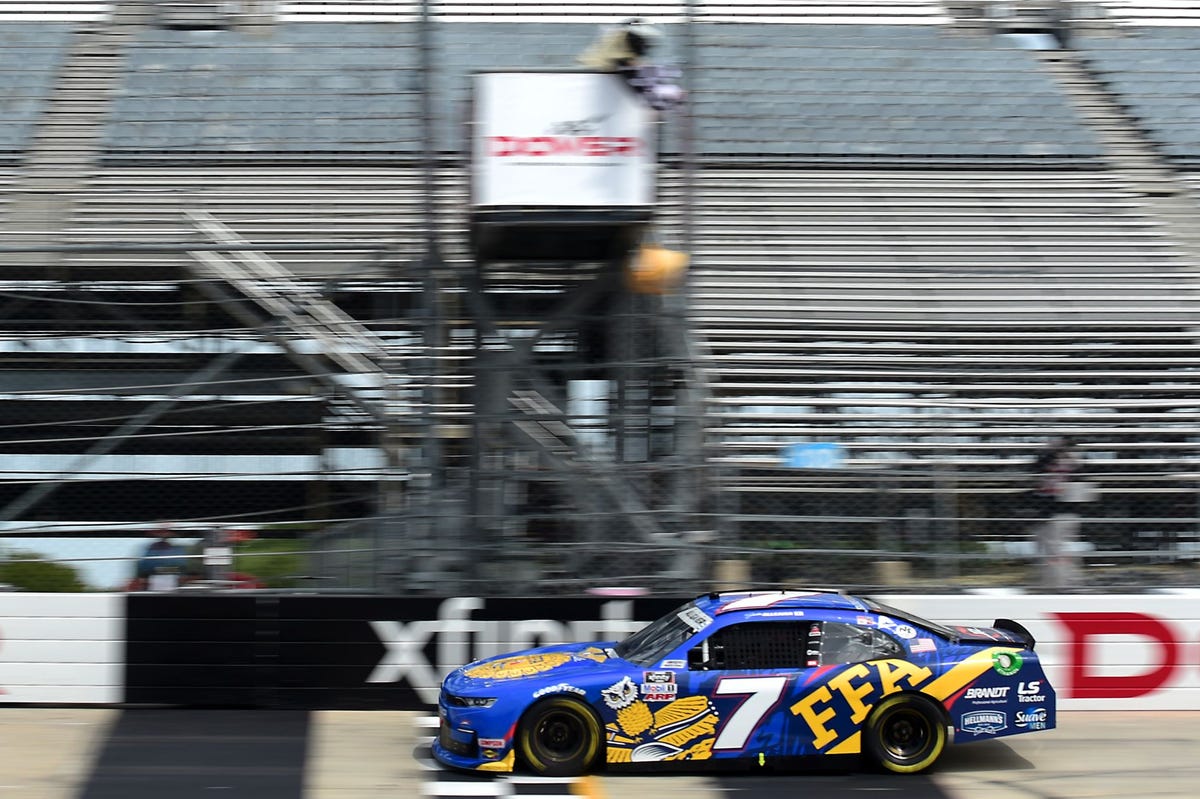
x=559, y=737
x=905, y=734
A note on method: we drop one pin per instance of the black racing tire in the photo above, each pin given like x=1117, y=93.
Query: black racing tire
x=559, y=737
x=905, y=733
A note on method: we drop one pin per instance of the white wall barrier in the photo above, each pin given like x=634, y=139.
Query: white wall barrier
x=1101, y=651
x=62, y=648
x=1111, y=652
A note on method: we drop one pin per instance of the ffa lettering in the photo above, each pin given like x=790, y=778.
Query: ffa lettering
x=853, y=692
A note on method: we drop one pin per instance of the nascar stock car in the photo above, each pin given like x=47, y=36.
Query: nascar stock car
x=748, y=678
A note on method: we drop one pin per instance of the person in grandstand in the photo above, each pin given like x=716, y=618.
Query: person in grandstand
x=1053, y=467
x=1056, y=530
x=163, y=563
x=624, y=49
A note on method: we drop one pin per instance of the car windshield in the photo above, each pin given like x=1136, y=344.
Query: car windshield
x=648, y=645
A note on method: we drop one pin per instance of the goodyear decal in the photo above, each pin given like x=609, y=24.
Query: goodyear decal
x=834, y=709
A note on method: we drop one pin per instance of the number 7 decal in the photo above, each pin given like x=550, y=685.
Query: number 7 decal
x=762, y=694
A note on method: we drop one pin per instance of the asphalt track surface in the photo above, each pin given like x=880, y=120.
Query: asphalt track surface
x=49, y=753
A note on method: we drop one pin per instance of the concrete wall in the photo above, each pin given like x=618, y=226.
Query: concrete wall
x=1109, y=652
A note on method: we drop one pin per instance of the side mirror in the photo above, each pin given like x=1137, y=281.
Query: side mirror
x=695, y=659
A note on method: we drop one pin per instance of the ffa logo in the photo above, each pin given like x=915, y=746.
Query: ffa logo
x=520, y=666
x=1007, y=663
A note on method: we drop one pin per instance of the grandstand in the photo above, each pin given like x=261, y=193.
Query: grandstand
x=239, y=287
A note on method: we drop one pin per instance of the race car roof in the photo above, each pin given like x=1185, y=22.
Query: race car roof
x=731, y=601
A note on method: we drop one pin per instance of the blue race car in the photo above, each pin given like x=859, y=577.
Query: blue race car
x=748, y=678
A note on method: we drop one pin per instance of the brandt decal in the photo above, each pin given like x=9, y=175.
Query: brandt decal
x=995, y=695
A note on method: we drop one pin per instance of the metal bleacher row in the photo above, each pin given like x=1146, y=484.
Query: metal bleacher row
x=771, y=90
x=1153, y=70
x=298, y=93
x=913, y=91
x=301, y=90
x=918, y=315
x=820, y=90
x=905, y=238
x=373, y=203
x=30, y=54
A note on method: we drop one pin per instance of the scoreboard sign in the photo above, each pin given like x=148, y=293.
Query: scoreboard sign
x=560, y=140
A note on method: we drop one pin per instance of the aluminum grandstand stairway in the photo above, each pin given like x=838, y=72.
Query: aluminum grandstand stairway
x=1128, y=149
x=295, y=307
x=376, y=374
x=66, y=146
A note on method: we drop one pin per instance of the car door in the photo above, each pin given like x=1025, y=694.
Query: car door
x=746, y=670
x=855, y=665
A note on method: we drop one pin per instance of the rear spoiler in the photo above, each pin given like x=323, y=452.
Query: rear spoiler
x=1008, y=625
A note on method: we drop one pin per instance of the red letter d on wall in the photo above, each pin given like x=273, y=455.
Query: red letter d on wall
x=1084, y=656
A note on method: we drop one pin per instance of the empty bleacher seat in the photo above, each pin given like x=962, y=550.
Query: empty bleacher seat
x=30, y=54
x=837, y=305
x=266, y=92
x=852, y=92
x=1153, y=72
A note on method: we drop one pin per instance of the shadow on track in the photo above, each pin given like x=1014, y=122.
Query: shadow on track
x=154, y=753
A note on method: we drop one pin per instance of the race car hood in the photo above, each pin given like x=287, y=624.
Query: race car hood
x=547, y=662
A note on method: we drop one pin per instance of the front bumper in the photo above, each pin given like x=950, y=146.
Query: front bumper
x=450, y=751
x=459, y=746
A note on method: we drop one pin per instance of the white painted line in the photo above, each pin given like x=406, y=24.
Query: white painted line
x=534, y=780
x=463, y=789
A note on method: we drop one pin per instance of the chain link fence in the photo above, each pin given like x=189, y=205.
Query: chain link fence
x=764, y=526
x=594, y=463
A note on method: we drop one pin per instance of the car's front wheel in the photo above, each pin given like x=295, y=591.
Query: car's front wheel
x=559, y=737
x=905, y=734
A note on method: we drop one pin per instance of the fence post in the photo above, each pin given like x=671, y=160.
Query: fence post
x=946, y=548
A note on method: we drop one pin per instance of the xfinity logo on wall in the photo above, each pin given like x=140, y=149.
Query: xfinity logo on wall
x=461, y=640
